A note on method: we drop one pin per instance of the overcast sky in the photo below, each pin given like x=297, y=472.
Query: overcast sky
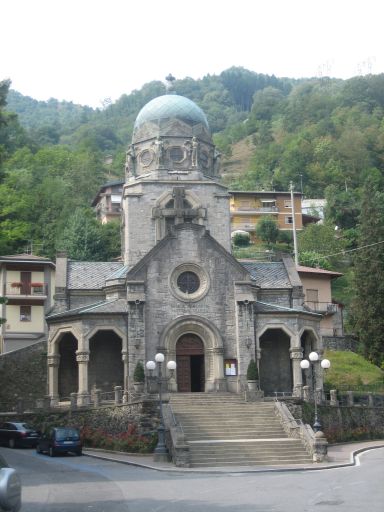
x=88, y=50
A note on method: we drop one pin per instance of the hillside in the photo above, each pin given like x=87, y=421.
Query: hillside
x=235, y=165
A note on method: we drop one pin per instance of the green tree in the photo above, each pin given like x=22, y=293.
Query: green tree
x=368, y=305
x=85, y=239
x=267, y=230
x=3, y=300
x=241, y=239
x=319, y=239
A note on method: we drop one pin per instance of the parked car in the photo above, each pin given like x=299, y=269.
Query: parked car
x=60, y=440
x=10, y=488
x=14, y=434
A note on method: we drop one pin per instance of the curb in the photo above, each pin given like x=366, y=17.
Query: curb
x=354, y=455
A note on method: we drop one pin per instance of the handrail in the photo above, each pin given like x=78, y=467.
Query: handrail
x=315, y=445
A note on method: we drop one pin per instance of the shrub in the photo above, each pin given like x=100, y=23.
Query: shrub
x=252, y=371
x=241, y=239
x=139, y=375
x=130, y=441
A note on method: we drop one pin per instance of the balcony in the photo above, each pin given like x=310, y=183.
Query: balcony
x=244, y=227
x=247, y=210
x=326, y=308
x=19, y=289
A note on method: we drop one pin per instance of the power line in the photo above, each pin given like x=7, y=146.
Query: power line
x=351, y=250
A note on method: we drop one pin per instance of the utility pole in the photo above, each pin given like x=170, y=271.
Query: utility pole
x=294, y=226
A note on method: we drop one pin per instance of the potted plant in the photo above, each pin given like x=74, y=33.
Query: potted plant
x=139, y=377
x=252, y=375
x=16, y=285
x=37, y=287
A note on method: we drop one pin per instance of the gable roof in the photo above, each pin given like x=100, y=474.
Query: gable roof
x=114, y=306
x=91, y=275
x=173, y=234
x=26, y=258
x=265, y=307
x=319, y=271
x=268, y=274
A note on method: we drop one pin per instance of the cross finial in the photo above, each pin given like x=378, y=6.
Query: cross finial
x=169, y=83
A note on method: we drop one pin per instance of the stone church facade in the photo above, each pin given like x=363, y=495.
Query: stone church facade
x=178, y=289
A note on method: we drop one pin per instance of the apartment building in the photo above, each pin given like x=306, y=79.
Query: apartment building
x=27, y=281
x=248, y=207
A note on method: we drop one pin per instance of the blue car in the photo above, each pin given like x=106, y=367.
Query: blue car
x=60, y=440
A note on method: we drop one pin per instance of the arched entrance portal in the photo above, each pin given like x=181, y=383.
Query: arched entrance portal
x=68, y=369
x=190, y=363
x=275, y=364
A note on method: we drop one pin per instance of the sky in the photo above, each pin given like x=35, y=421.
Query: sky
x=87, y=51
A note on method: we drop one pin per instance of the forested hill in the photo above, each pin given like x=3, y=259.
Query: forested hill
x=325, y=135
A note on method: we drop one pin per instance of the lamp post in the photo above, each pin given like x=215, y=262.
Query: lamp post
x=161, y=452
x=305, y=364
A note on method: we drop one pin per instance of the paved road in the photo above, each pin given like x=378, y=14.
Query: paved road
x=80, y=484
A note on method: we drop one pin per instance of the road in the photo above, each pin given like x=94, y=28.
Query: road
x=84, y=484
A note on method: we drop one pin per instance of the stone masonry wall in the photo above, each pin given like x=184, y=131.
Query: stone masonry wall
x=112, y=419
x=23, y=374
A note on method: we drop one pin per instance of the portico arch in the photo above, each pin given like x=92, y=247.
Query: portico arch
x=63, y=378
x=275, y=362
x=212, y=343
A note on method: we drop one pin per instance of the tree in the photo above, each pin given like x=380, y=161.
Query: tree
x=85, y=239
x=267, y=230
x=367, y=314
x=3, y=300
x=241, y=239
x=317, y=241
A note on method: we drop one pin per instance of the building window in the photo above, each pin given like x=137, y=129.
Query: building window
x=287, y=203
x=288, y=219
x=25, y=313
x=188, y=282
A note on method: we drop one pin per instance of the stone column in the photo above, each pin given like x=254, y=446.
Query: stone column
x=82, y=358
x=333, y=401
x=124, y=357
x=297, y=356
x=53, y=377
x=218, y=369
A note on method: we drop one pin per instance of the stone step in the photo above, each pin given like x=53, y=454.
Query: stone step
x=223, y=430
x=250, y=462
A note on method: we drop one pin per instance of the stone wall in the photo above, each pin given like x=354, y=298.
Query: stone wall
x=112, y=419
x=23, y=374
x=340, y=343
x=343, y=423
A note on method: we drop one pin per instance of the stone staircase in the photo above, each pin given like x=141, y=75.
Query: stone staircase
x=222, y=429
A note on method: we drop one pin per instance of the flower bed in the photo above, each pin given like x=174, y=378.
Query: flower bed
x=129, y=441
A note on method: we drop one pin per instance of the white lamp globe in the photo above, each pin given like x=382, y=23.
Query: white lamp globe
x=313, y=356
x=304, y=364
x=171, y=365
x=159, y=357
x=151, y=365
x=325, y=363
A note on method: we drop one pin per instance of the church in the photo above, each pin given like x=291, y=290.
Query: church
x=178, y=289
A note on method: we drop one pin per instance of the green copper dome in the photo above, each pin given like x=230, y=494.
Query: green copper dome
x=171, y=106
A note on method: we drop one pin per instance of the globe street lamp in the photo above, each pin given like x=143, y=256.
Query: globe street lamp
x=161, y=452
x=305, y=364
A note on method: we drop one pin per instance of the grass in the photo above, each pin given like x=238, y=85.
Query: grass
x=259, y=251
x=350, y=371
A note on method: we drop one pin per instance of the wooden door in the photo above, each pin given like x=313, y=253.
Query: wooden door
x=190, y=363
x=25, y=279
x=183, y=373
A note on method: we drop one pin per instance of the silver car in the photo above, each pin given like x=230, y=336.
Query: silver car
x=10, y=488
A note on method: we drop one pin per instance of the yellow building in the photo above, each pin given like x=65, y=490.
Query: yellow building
x=248, y=207
x=27, y=281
